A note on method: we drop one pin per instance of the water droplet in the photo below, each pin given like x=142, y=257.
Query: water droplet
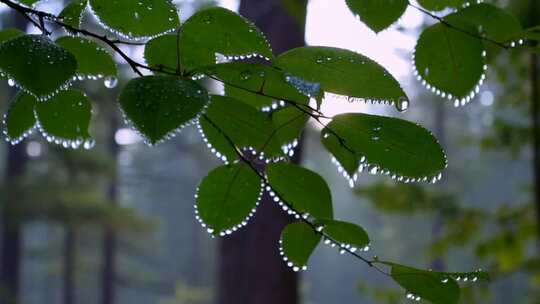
x=402, y=104
x=110, y=82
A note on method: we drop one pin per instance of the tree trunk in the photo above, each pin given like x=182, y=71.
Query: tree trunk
x=251, y=270
x=70, y=253
x=109, y=235
x=535, y=117
x=11, y=236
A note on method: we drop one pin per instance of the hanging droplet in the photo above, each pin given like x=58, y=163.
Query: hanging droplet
x=89, y=144
x=402, y=104
x=11, y=82
x=110, y=82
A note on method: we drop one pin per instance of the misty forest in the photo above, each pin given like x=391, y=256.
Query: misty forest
x=270, y=151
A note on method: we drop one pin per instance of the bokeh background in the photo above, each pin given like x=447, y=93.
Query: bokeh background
x=66, y=213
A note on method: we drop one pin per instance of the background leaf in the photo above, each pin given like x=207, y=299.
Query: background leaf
x=136, y=19
x=305, y=190
x=403, y=148
x=342, y=72
x=378, y=14
x=37, y=64
x=159, y=106
x=9, y=33
x=162, y=52
x=227, y=198
x=450, y=61
x=93, y=60
x=298, y=240
x=218, y=30
x=439, y=5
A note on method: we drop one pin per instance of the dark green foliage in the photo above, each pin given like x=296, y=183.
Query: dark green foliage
x=439, y=5
x=162, y=52
x=377, y=14
x=37, y=64
x=159, y=106
x=352, y=236
x=227, y=198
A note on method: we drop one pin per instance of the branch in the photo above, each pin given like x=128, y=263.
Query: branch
x=325, y=236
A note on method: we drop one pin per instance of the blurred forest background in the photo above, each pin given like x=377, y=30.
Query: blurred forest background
x=115, y=224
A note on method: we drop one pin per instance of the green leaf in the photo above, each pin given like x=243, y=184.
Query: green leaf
x=351, y=236
x=9, y=33
x=377, y=14
x=384, y=145
x=20, y=120
x=297, y=243
x=218, y=30
x=488, y=20
x=160, y=106
x=29, y=3
x=343, y=72
x=436, y=287
x=289, y=122
x=65, y=119
x=229, y=119
x=73, y=12
x=227, y=198
x=439, y=5
x=162, y=52
x=304, y=190
x=136, y=20
x=93, y=60
x=37, y=65
x=259, y=102
x=451, y=62
x=257, y=78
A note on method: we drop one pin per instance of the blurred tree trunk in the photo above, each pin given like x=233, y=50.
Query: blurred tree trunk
x=251, y=270
x=108, y=272
x=11, y=234
x=440, y=132
x=535, y=113
x=70, y=253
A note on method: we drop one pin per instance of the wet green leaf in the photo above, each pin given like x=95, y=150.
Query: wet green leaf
x=304, y=190
x=345, y=233
x=450, y=61
x=387, y=144
x=342, y=72
x=488, y=20
x=298, y=241
x=72, y=13
x=141, y=19
x=218, y=30
x=377, y=14
x=227, y=198
x=10, y=33
x=159, y=106
x=66, y=116
x=20, y=119
x=439, y=5
x=162, y=52
x=92, y=59
x=36, y=64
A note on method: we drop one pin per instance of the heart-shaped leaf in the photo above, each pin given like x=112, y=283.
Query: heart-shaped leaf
x=20, y=120
x=93, y=60
x=227, y=198
x=37, y=65
x=160, y=106
x=72, y=13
